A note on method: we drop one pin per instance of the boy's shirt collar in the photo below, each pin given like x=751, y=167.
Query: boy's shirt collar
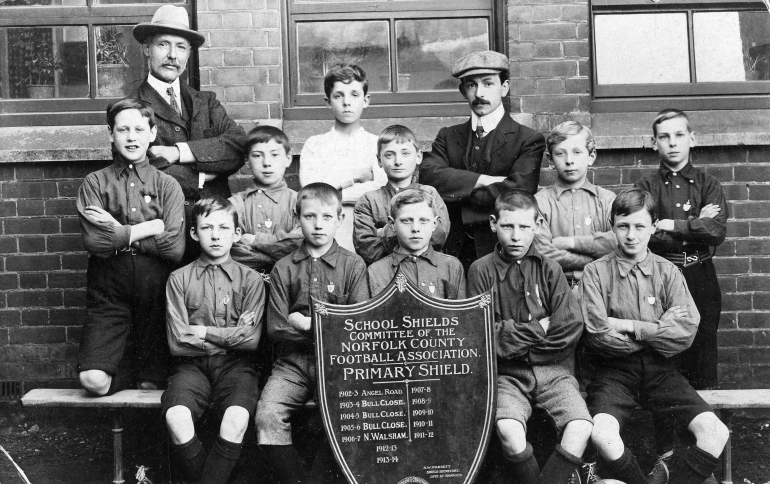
x=337, y=134
x=330, y=257
x=227, y=266
x=503, y=264
x=587, y=186
x=268, y=192
x=625, y=266
x=396, y=257
x=490, y=121
x=141, y=168
x=393, y=190
x=687, y=171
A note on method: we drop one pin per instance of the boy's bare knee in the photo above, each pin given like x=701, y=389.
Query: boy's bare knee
x=576, y=435
x=234, y=424
x=180, y=424
x=513, y=437
x=710, y=433
x=606, y=436
x=95, y=381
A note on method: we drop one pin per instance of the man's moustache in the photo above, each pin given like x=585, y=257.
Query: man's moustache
x=478, y=102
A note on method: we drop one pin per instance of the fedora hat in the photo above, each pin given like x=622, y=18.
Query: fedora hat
x=169, y=19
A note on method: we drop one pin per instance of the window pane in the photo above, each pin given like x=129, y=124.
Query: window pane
x=53, y=3
x=732, y=46
x=120, y=2
x=641, y=48
x=427, y=49
x=44, y=62
x=324, y=44
x=120, y=66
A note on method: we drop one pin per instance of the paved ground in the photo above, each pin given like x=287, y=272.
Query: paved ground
x=75, y=447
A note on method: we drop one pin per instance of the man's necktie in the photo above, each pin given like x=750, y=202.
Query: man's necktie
x=172, y=100
x=479, y=131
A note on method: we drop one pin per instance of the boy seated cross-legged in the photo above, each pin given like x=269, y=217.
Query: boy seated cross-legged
x=214, y=323
x=266, y=208
x=399, y=155
x=321, y=269
x=638, y=314
x=132, y=222
x=537, y=326
x=413, y=219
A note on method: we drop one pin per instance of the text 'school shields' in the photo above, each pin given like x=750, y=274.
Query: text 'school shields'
x=406, y=385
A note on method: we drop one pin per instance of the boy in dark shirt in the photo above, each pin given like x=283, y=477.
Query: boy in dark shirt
x=266, y=209
x=214, y=322
x=321, y=269
x=413, y=220
x=692, y=218
x=132, y=223
x=638, y=313
x=537, y=326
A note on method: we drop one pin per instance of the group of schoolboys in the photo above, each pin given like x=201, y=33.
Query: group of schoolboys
x=635, y=306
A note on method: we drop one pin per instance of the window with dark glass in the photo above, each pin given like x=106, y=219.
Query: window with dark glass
x=665, y=48
x=406, y=47
x=63, y=61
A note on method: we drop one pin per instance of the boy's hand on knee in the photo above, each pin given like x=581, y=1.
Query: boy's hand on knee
x=299, y=321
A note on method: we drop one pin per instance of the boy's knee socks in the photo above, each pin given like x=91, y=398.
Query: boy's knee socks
x=523, y=468
x=627, y=469
x=223, y=457
x=285, y=460
x=191, y=457
x=696, y=466
x=559, y=467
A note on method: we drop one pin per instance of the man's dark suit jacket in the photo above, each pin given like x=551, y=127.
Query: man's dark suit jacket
x=215, y=139
x=516, y=153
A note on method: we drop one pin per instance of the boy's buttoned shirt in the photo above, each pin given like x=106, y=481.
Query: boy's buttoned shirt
x=337, y=277
x=582, y=213
x=268, y=214
x=680, y=196
x=215, y=296
x=132, y=193
x=372, y=236
x=641, y=293
x=526, y=291
x=436, y=274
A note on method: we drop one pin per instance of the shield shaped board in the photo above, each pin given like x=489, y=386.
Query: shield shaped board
x=406, y=385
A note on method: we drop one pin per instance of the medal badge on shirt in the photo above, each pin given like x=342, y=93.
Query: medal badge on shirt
x=268, y=223
x=330, y=286
x=226, y=299
x=432, y=288
x=651, y=300
x=686, y=207
x=587, y=220
x=147, y=199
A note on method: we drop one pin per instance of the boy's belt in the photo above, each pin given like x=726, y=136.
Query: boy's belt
x=687, y=259
x=127, y=251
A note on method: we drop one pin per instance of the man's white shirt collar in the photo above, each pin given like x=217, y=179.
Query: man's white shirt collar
x=162, y=87
x=488, y=122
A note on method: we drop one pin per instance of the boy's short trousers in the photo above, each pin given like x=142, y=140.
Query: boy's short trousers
x=648, y=379
x=290, y=386
x=551, y=387
x=126, y=307
x=222, y=380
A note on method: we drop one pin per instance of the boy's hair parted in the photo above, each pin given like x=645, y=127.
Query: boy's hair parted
x=319, y=191
x=397, y=133
x=205, y=206
x=631, y=201
x=667, y=114
x=265, y=134
x=408, y=197
x=567, y=129
x=124, y=104
x=345, y=73
x=515, y=199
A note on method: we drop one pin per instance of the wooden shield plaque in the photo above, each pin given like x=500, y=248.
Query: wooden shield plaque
x=406, y=385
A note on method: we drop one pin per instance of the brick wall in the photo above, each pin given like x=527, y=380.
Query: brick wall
x=548, y=47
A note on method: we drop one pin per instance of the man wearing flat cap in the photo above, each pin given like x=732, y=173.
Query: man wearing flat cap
x=197, y=143
x=471, y=163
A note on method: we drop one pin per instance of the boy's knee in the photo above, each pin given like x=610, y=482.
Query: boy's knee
x=513, y=437
x=711, y=434
x=234, y=423
x=606, y=431
x=180, y=424
x=95, y=381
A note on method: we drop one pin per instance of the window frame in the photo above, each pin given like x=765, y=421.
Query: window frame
x=87, y=110
x=692, y=95
x=311, y=106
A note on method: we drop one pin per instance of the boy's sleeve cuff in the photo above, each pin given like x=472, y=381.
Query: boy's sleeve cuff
x=122, y=236
x=644, y=331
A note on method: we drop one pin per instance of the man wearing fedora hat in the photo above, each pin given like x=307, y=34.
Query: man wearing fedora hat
x=197, y=143
x=471, y=163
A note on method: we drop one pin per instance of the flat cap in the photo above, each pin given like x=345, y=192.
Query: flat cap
x=485, y=62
